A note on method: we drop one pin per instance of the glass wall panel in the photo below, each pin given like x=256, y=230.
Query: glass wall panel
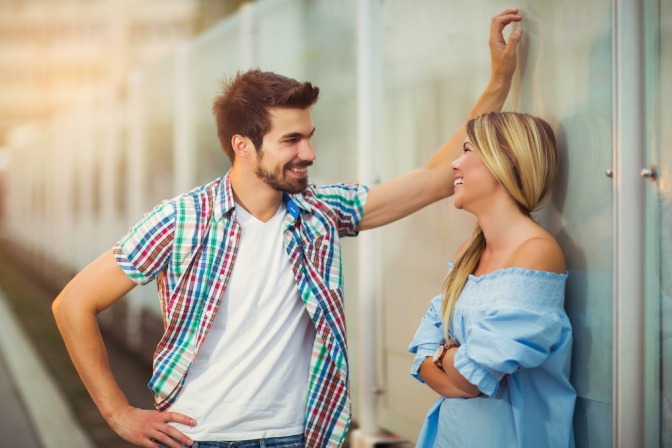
x=330, y=62
x=664, y=155
x=157, y=96
x=434, y=67
x=280, y=37
x=213, y=57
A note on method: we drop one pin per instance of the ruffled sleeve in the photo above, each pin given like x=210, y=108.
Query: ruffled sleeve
x=504, y=341
x=519, y=330
x=428, y=337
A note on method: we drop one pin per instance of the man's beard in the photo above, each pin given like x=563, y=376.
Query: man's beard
x=277, y=179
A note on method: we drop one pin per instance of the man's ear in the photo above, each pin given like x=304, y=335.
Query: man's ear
x=242, y=146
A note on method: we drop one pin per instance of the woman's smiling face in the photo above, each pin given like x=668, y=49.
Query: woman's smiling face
x=474, y=182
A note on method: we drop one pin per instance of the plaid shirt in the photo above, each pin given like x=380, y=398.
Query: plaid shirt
x=188, y=245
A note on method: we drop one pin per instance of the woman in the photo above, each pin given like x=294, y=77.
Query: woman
x=496, y=345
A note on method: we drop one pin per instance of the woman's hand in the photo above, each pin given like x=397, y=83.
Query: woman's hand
x=503, y=55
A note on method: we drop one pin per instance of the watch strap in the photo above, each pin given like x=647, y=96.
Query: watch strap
x=439, y=362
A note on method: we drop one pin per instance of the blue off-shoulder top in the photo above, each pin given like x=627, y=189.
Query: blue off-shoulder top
x=515, y=346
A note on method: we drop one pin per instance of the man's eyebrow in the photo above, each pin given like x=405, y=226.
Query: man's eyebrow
x=298, y=134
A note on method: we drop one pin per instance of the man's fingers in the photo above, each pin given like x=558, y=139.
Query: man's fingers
x=174, y=433
x=171, y=437
x=177, y=435
x=176, y=417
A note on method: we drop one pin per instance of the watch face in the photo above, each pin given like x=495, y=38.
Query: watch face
x=437, y=353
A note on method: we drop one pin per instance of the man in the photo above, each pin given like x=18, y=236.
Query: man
x=248, y=272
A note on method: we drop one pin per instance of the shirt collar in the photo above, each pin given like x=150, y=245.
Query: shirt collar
x=296, y=203
x=224, y=202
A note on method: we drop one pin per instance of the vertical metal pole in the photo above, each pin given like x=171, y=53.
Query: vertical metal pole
x=108, y=159
x=368, y=281
x=184, y=148
x=629, y=200
x=135, y=190
x=137, y=152
x=86, y=156
x=247, y=40
x=654, y=97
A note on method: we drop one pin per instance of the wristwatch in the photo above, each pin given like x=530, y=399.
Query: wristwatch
x=441, y=352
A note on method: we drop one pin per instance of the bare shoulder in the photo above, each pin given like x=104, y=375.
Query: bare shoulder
x=540, y=253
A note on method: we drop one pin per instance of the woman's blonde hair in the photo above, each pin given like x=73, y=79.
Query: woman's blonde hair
x=520, y=151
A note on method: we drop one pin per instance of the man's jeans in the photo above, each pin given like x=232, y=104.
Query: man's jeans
x=273, y=442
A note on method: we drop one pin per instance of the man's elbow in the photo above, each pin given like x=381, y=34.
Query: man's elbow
x=55, y=306
x=57, y=309
x=62, y=308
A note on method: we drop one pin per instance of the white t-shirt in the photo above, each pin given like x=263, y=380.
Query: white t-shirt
x=250, y=377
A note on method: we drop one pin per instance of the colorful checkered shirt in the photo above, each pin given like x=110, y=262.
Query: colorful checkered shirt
x=188, y=245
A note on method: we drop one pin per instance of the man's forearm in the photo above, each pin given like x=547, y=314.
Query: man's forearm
x=85, y=345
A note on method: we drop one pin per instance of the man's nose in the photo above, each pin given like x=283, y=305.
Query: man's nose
x=307, y=153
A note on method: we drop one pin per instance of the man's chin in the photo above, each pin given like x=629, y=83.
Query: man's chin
x=289, y=187
x=295, y=189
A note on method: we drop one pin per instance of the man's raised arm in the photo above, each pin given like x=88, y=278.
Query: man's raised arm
x=412, y=191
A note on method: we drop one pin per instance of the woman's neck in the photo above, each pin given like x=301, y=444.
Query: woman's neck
x=504, y=227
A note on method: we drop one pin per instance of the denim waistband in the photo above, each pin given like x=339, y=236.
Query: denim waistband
x=295, y=441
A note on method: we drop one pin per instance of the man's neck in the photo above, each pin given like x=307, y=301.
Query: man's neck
x=254, y=195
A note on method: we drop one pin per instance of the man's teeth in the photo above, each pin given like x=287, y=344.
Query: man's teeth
x=457, y=182
x=299, y=170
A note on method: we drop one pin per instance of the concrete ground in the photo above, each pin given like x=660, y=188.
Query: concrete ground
x=28, y=296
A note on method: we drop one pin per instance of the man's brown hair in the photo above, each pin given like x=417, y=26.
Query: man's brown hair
x=243, y=106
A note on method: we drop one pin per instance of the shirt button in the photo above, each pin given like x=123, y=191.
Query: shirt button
x=222, y=277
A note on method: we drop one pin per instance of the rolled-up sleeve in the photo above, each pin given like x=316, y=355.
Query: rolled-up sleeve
x=428, y=337
x=503, y=341
x=145, y=250
x=347, y=202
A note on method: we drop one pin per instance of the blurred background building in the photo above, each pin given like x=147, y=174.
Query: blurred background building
x=54, y=53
